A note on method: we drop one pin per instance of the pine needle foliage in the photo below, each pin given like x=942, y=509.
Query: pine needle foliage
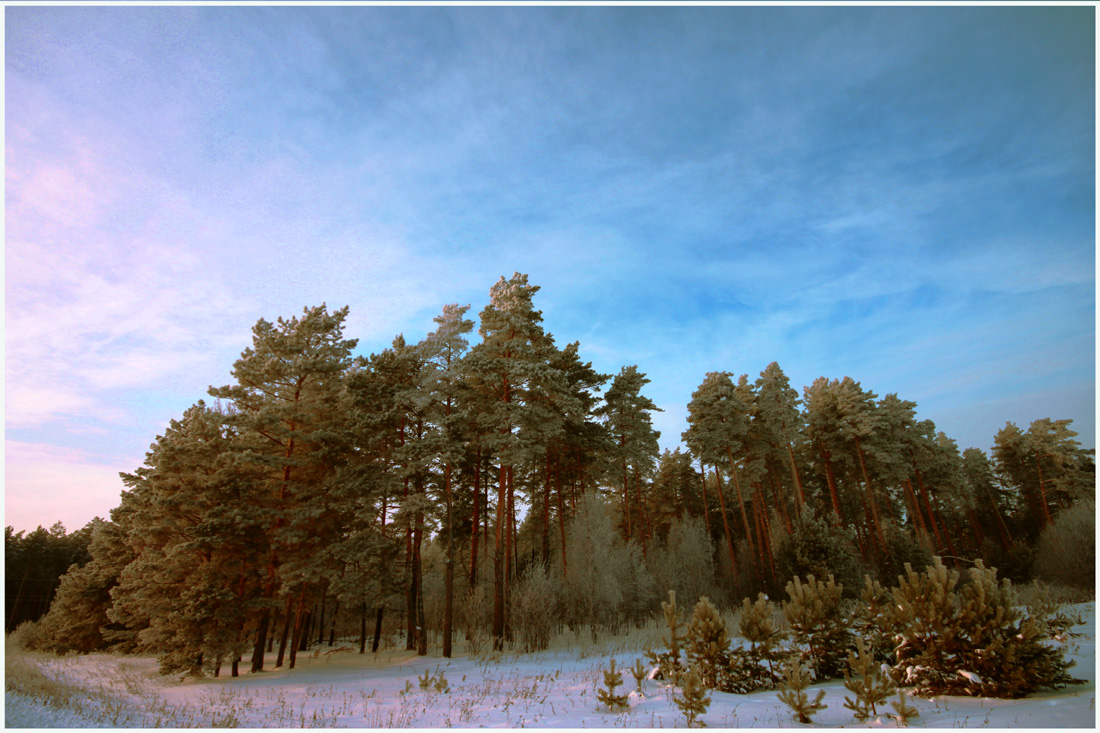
x=707, y=643
x=693, y=699
x=864, y=681
x=796, y=679
x=669, y=665
x=817, y=621
x=638, y=671
x=974, y=640
x=756, y=668
x=903, y=711
x=612, y=679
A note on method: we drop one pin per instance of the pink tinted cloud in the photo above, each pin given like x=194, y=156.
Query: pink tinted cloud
x=71, y=486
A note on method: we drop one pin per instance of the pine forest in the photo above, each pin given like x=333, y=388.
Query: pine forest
x=486, y=492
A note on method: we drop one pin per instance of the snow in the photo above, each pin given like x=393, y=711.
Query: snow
x=548, y=689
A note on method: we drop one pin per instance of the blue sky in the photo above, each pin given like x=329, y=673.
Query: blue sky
x=905, y=196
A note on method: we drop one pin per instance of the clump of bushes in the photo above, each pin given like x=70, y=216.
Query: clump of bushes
x=931, y=635
x=968, y=640
x=1066, y=553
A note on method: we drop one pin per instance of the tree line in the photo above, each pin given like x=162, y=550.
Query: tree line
x=485, y=480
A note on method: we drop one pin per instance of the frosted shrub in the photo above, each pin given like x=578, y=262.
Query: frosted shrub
x=684, y=562
x=639, y=591
x=596, y=561
x=1066, y=553
x=23, y=637
x=536, y=607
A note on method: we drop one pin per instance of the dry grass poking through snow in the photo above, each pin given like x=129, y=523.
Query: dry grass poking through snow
x=554, y=688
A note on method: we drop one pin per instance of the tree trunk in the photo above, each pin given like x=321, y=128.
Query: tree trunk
x=332, y=627
x=286, y=632
x=725, y=521
x=706, y=510
x=498, y=561
x=561, y=524
x=870, y=496
x=261, y=638
x=741, y=502
x=363, y=629
x=1042, y=495
x=418, y=587
x=940, y=543
x=834, y=495
x=321, y=625
x=546, y=512
x=643, y=515
x=797, y=479
x=449, y=570
x=377, y=629
x=299, y=628
x=475, y=529
x=1006, y=538
x=307, y=627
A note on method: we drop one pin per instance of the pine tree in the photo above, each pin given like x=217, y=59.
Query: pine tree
x=669, y=665
x=613, y=701
x=717, y=426
x=443, y=352
x=972, y=640
x=796, y=680
x=991, y=500
x=864, y=681
x=635, y=451
x=777, y=411
x=693, y=699
x=511, y=371
x=707, y=643
x=77, y=620
x=756, y=667
x=287, y=385
x=193, y=530
x=638, y=671
x=817, y=620
x=903, y=711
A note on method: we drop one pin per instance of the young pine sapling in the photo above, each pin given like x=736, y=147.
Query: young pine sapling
x=793, y=692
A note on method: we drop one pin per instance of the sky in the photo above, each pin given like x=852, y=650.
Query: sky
x=902, y=195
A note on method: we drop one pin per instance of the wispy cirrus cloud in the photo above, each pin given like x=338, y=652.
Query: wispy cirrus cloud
x=902, y=195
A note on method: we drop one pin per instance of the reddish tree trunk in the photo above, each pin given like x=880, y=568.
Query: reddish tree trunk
x=725, y=521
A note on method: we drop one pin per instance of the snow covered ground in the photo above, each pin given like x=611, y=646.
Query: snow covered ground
x=336, y=688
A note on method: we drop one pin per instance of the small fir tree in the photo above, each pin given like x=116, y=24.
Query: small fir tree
x=639, y=672
x=817, y=620
x=669, y=665
x=707, y=643
x=614, y=702
x=755, y=668
x=693, y=699
x=865, y=682
x=867, y=619
x=793, y=692
x=973, y=640
x=903, y=711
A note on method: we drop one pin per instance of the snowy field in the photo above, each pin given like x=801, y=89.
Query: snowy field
x=337, y=687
